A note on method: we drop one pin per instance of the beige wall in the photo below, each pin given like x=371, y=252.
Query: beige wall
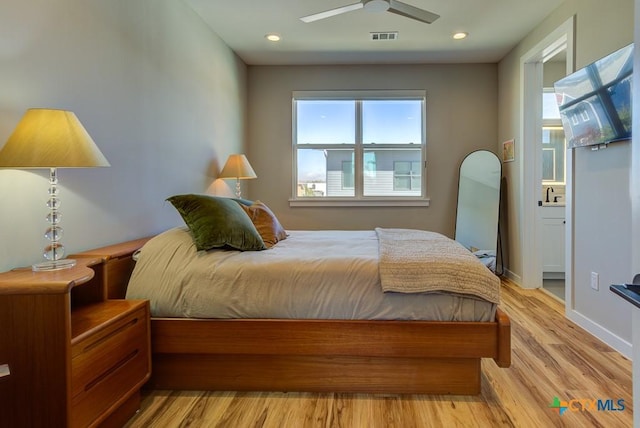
x=461, y=117
x=602, y=207
x=553, y=71
x=162, y=96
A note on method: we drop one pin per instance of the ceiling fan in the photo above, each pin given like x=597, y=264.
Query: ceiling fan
x=392, y=6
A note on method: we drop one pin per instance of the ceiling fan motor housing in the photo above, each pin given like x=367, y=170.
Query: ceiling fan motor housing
x=376, y=5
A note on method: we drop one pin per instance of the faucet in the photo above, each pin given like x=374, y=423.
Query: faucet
x=548, y=188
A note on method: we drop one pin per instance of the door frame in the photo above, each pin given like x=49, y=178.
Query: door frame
x=530, y=172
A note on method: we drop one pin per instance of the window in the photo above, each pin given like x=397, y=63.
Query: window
x=359, y=147
x=406, y=175
x=585, y=115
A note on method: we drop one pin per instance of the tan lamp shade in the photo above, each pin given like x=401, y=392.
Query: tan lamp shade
x=46, y=138
x=237, y=167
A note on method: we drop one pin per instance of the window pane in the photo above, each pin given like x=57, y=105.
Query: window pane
x=615, y=65
x=550, y=108
x=347, y=174
x=416, y=175
x=312, y=173
x=339, y=165
x=392, y=122
x=325, y=173
x=325, y=121
x=620, y=98
x=402, y=167
x=396, y=172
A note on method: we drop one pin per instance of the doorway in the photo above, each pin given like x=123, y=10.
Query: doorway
x=552, y=189
x=559, y=42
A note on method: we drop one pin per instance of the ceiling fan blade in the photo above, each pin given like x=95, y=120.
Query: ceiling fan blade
x=332, y=12
x=412, y=12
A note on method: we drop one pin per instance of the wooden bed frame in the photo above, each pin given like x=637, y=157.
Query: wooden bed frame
x=417, y=357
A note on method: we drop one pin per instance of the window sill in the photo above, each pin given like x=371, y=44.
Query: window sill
x=334, y=202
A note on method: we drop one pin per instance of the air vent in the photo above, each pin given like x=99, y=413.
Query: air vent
x=387, y=35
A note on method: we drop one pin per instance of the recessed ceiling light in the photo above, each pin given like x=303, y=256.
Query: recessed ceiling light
x=460, y=35
x=272, y=37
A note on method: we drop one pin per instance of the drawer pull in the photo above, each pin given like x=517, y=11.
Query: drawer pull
x=107, y=373
x=110, y=335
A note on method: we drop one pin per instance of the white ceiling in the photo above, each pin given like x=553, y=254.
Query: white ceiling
x=494, y=27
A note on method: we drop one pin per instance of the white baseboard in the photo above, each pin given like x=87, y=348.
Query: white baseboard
x=616, y=342
x=553, y=275
x=595, y=329
x=513, y=277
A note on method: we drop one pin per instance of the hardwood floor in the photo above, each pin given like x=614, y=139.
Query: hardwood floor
x=551, y=358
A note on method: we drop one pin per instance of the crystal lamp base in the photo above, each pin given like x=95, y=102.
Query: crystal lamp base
x=54, y=265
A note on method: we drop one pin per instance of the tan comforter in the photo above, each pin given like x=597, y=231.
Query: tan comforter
x=416, y=261
x=310, y=275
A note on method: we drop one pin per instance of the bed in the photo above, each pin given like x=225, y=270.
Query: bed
x=264, y=325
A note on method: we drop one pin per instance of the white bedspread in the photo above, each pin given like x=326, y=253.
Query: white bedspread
x=309, y=275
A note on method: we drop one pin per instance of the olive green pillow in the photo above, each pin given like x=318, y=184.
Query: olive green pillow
x=217, y=222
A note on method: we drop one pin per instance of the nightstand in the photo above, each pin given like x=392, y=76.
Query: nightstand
x=70, y=356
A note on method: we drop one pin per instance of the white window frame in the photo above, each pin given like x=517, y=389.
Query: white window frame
x=359, y=199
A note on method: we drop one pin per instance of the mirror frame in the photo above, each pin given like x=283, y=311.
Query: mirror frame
x=499, y=268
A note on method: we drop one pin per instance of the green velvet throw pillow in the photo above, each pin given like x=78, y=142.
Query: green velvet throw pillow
x=217, y=222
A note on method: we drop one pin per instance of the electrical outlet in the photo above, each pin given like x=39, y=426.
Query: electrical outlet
x=595, y=280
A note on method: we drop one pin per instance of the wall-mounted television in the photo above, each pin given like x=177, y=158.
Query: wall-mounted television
x=595, y=101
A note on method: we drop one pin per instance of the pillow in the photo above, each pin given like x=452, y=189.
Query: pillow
x=266, y=223
x=217, y=222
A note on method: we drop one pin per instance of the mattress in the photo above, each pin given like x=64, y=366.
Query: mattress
x=325, y=274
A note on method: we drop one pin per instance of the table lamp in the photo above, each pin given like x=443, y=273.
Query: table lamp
x=52, y=139
x=237, y=167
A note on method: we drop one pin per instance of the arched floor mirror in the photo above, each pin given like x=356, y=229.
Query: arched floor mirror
x=478, y=210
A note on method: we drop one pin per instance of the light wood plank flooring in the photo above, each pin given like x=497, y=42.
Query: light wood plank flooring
x=551, y=357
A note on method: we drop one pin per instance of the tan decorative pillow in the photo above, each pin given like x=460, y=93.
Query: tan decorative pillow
x=266, y=223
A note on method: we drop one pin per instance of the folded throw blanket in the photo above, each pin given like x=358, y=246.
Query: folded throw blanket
x=417, y=261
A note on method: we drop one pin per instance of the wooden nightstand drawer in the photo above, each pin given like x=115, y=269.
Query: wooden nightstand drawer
x=100, y=353
x=109, y=362
x=94, y=324
x=109, y=387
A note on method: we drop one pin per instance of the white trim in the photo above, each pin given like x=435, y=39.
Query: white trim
x=609, y=338
x=414, y=94
x=596, y=330
x=517, y=279
x=335, y=202
x=530, y=128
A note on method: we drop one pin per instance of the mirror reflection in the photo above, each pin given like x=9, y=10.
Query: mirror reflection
x=478, y=208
